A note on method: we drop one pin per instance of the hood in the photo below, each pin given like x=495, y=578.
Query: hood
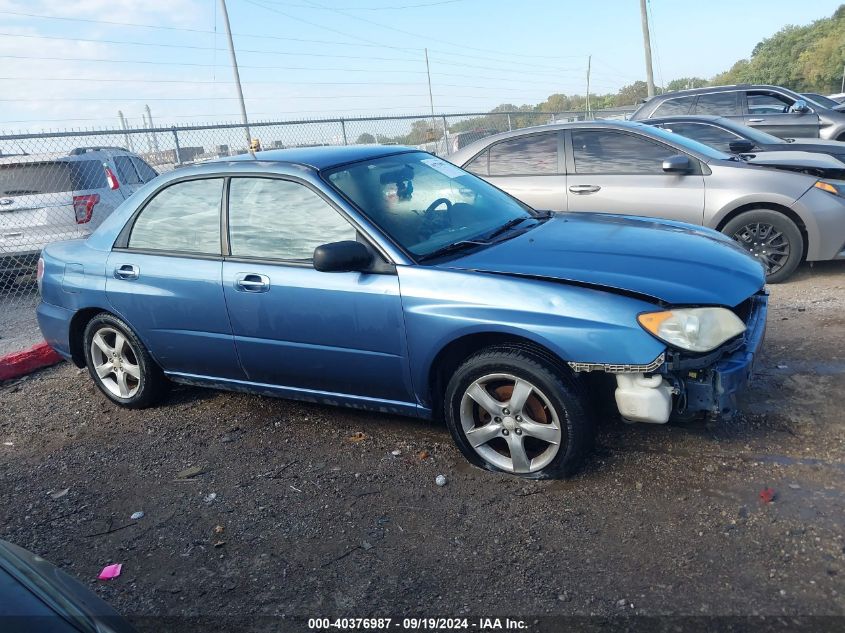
x=676, y=263
x=795, y=159
x=801, y=143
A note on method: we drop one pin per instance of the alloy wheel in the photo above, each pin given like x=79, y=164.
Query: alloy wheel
x=510, y=423
x=115, y=362
x=766, y=243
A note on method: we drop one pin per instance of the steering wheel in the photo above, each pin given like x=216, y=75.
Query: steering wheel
x=433, y=221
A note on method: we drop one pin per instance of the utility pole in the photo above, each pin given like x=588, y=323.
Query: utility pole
x=125, y=134
x=237, y=75
x=150, y=119
x=649, y=73
x=842, y=87
x=431, y=96
x=587, y=108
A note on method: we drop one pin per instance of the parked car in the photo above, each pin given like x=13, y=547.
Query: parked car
x=50, y=197
x=778, y=111
x=388, y=279
x=459, y=140
x=36, y=597
x=825, y=102
x=839, y=97
x=735, y=138
x=632, y=168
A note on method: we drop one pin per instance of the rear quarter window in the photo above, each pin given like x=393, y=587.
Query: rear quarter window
x=22, y=179
x=679, y=105
x=87, y=174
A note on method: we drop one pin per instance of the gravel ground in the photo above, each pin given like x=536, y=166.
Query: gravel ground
x=291, y=517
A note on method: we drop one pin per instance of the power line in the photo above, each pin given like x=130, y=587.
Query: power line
x=276, y=97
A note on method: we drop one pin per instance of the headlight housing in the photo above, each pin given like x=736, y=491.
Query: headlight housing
x=693, y=329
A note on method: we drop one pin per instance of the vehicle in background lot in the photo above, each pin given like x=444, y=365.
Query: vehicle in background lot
x=734, y=138
x=37, y=597
x=50, y=197
x=388, y=279
x=825, y=102
x=838, y=97
x=636, y=169
x=459, y=140
x=778, y=111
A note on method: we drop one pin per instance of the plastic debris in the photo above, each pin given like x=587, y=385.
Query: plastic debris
x=137, y=515
x=767, y=495
x=783, y=367
x=110, y=571
x=440, y=480
x=59, y=493
x=357, y=437
x=209, y=498
x=219, y=529
x=188, y=473
x=396, y=452
x=8, y=443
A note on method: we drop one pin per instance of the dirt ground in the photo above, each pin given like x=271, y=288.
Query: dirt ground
x=665, y=520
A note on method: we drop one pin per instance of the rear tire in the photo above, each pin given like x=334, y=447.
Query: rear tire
x=120, y=365
x=771, y=237
x=511, y=409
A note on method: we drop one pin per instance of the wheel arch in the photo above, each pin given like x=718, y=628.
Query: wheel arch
x=76, y=330
x=453, y=353
x=771, y=206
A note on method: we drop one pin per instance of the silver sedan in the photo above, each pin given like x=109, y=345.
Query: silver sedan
x=629, y=168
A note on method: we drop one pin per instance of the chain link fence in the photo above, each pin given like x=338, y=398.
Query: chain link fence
x=62, y=185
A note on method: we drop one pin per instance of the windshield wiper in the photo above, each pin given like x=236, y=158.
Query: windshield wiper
x=449, y=248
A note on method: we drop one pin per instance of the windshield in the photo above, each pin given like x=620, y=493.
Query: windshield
x=821, y=100
x=424, y=203
x=688, y=143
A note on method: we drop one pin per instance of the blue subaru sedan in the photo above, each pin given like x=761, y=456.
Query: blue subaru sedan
x=385, y=278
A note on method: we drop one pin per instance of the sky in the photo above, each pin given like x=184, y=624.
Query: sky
x=75, y=64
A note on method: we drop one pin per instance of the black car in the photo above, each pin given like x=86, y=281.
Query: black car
x=732, y=137
x=36, y=597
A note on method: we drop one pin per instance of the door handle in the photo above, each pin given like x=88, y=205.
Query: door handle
x=755, y=120
x=252, y=282
x=584, y=189
x=127, y=271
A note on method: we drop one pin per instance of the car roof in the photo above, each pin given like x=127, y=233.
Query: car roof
x=465, y=153
x=320, y=157
x=709, y=89
x=685, y=117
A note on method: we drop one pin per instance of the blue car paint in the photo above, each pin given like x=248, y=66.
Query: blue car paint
x=369, y=340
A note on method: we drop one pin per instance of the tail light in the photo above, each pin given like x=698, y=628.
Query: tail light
x=111, y=178
x=39, y=272
x=83, y=207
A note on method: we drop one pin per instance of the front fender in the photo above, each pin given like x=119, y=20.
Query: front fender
x=575, y=323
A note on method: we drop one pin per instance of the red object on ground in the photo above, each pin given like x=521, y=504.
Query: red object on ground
x=25, y=362
x=767, y=495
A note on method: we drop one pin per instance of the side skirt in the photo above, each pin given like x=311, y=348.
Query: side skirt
x=306, y=395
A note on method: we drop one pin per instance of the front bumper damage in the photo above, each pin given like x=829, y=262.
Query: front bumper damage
x=688, y=384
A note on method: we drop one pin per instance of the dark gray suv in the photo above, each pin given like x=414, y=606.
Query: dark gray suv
x=772, y=109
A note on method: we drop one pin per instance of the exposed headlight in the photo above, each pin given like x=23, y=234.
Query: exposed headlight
x=836, y=190
x=693, y=329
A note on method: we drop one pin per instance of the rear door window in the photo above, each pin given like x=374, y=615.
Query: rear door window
x=22, y=179
x=184, y=217
x=718, y=103
x=146, y=172
x=677, y=106
x=126, y=171
x=529, y=155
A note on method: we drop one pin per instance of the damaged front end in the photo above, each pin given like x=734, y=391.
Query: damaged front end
x=681, y=383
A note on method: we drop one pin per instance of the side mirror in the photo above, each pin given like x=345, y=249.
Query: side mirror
x=800, y=106
x=678, y=164
x=741, y=146
x=340, y=257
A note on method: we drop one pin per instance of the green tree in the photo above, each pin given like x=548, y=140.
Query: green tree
x=684, y=83
x=366, y=139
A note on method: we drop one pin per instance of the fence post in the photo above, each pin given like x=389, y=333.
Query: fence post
x=509, y=122
x=178, y=149
x=446, y=135
x=343, y=129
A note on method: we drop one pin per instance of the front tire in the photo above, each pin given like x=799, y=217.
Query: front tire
x=513, y=410
x=772, y=238
x=120, y=365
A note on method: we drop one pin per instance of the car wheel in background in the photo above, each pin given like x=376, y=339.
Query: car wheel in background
x=510, y=409
x=120, y=365
x=772, y=238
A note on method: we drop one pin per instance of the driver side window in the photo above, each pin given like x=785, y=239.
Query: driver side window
x=768, y=103
x=271, y=218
